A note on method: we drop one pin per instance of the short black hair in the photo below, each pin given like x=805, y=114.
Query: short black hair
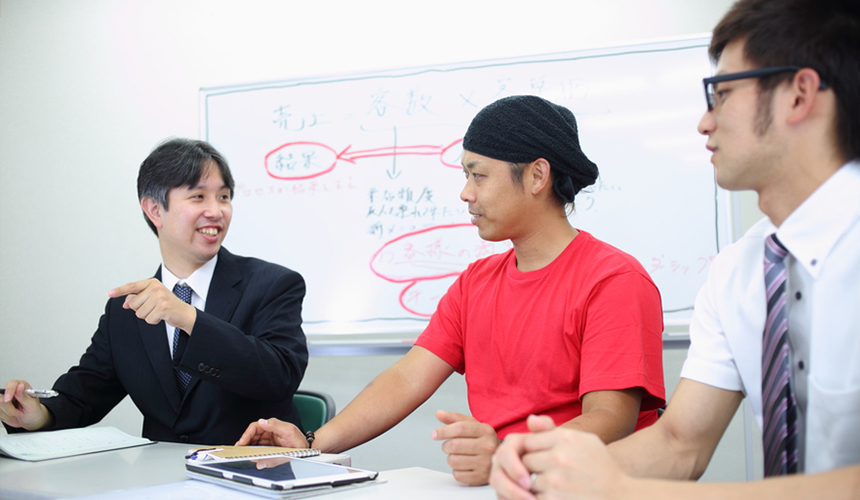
x=174, y=163
x=820, y=34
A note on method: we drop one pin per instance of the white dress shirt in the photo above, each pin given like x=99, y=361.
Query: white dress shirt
x=198, y=281
x=823, y=238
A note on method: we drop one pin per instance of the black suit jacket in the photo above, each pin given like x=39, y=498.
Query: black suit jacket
x=247, y=355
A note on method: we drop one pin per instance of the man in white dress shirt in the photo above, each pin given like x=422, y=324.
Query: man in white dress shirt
x=778, y=320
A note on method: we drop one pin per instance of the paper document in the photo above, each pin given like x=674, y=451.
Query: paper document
x=35, y=446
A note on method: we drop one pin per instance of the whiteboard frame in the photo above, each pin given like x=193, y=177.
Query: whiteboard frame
x=727, y=212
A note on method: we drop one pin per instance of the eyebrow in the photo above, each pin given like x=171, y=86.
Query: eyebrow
x=470, y=165
x=200, y=186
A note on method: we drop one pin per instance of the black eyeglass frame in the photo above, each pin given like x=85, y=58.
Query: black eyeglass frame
x=710, y=97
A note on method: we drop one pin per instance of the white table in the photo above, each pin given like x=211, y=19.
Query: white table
x=158, y=471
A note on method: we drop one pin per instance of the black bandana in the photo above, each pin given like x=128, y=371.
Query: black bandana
x=523, y=128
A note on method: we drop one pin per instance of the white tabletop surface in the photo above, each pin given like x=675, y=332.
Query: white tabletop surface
x=158, y=471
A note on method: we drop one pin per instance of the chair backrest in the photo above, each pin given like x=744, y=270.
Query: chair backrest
x=315, y=408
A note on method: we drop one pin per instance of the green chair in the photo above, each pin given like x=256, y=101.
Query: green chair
x=315, y=408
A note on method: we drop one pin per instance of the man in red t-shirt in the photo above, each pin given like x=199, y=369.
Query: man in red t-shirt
x=562, y=325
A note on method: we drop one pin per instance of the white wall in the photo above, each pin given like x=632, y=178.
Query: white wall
x=88, y=87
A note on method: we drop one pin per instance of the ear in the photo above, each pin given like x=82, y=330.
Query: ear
x=539, y=178
x=153, y=211
x=804, y=95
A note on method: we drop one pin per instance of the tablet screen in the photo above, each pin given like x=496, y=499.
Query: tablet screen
x=278, y=469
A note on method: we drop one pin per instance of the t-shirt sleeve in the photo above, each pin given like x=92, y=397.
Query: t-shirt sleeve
x=622, y=339
x=444, y=334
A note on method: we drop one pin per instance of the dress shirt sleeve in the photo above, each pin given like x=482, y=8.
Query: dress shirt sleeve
x=710, y=360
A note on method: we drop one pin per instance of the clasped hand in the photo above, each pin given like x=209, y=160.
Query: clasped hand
x=469, y=444
x=555, y=462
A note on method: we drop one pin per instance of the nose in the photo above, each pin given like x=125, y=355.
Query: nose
x=212, y=209
x=467, y=194
x=707, y=123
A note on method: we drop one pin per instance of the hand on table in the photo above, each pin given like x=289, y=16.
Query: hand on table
x=273, y=432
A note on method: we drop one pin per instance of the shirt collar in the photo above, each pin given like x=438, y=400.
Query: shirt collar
x=198, y=281
x=811, y=231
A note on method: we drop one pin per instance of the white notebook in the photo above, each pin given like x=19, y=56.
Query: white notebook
x=44, y=445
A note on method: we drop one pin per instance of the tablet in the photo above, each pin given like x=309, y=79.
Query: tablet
x=279, y=477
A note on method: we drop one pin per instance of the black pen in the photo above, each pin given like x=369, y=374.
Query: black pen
x=35, y=393
x=200, y=451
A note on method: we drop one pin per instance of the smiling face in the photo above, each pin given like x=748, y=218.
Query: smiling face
x=498, y=205
x=192, y=228
x=741, y=138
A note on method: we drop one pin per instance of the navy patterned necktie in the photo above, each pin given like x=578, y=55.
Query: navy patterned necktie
x=778, y=402
x=182, y=291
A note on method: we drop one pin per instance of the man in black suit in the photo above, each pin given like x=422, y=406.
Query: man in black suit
x=200, y=367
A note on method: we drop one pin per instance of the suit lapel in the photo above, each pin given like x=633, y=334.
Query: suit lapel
x=223, y=297
x=154, y=340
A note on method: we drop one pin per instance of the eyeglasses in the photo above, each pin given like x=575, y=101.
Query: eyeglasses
x=711, y=95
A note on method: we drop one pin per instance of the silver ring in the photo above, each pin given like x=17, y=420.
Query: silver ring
x=532, y=479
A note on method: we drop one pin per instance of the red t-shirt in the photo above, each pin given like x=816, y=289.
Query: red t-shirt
x=536, y=342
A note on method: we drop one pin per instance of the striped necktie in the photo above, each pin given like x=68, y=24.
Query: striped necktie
x=778, y=403
x=182, y=291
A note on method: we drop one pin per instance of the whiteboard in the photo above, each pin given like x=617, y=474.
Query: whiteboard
x=354, y=180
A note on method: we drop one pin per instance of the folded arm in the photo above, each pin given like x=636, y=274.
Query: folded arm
x=678, y=446
x=470, y=444
x=681, y=443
